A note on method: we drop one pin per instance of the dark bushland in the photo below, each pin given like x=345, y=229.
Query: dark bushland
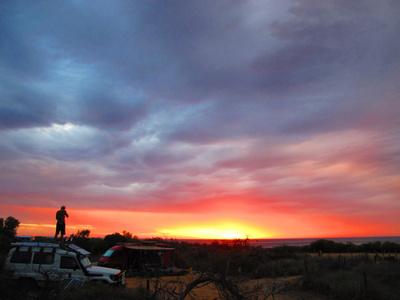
x=357, y=277
x=346, y=273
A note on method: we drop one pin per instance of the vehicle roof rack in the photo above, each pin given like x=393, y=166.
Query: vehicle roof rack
x=69, y=247
x=35, y=244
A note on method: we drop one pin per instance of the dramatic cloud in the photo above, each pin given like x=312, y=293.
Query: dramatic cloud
x=277, y=116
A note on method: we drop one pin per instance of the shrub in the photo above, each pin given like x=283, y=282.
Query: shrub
x=100, y=291
x=358, y=278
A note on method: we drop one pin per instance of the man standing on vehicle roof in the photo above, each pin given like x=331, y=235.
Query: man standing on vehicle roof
x=60, y=227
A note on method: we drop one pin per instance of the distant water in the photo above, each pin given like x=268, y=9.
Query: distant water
x=271, y=243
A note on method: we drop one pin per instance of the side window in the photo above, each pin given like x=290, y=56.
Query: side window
x=68, y=262
x=43, y=258
x=21, y=257
x=108, y=253
x=117, y=254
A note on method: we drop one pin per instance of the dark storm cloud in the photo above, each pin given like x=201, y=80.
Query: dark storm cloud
x=293, y=66
x=41, y=43
x=325, y=54
x=24, y=105
x=19, y=49
x=107, y=110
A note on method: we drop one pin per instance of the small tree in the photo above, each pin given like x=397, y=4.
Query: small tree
x=8, y=230
x=115, y=238
x=82, y=234
x=127, y=234
x=81, y=238
x=129, y=237
x=8, y=227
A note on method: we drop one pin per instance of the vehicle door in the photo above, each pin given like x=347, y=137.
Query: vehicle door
x=43, y=264
x=70, y=268
x=20, y=263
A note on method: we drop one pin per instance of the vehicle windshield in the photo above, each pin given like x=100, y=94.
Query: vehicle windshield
x=86, y=261
x=108, y=253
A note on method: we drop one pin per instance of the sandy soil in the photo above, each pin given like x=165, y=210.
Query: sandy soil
x=210, y=292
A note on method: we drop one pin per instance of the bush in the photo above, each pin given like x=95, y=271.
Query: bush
x=25, y=289
x=100, y=291
x=357, y=278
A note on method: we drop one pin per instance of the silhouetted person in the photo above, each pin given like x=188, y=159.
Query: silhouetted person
x=60, y=227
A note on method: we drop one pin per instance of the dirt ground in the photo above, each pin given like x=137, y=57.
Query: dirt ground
x=210, y=292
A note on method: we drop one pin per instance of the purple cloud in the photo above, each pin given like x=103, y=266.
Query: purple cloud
x=159, y=104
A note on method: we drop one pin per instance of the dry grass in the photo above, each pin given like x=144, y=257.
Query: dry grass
x=209, y=291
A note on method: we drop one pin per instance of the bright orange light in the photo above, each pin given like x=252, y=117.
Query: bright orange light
x=220, y=230
x=39, y=221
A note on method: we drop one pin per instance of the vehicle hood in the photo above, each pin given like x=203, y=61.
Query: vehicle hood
x=102, y=270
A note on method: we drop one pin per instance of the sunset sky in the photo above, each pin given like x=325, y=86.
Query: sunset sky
x=201, y=119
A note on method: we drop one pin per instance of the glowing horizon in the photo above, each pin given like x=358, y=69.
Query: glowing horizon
x=258, y=118
x=189, y=226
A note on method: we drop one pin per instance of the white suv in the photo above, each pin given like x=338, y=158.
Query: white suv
x=46, y=262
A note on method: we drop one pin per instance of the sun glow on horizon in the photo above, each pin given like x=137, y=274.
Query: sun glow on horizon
x=225, y=230
x=40, y=221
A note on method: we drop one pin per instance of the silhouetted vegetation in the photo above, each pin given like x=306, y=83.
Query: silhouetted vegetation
x=8, y=227
x=99, y=291
x=357, y=277
x=8, y=231
x=328, y=246
x=343, y=271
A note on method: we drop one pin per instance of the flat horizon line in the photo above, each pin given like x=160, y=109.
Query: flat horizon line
x=229, y=239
